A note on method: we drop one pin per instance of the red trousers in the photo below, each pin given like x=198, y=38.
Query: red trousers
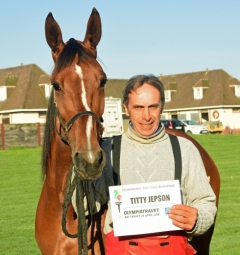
x=173, y=243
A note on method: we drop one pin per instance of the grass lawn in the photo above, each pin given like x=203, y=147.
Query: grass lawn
x=21, y=185
x=19, y=193
x=225, y=151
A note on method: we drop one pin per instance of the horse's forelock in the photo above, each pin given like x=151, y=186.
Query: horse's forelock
x=68, y=54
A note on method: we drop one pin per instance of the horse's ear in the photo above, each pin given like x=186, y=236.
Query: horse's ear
x=53, y=34
x=94, y=31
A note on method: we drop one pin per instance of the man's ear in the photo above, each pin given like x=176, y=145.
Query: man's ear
x=126, y=109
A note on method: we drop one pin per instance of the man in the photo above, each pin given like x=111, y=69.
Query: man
x=146, y=156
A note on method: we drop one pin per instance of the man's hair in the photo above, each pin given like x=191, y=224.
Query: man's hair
x=137, y=81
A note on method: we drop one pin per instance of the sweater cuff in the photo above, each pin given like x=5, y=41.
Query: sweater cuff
x=194, y=227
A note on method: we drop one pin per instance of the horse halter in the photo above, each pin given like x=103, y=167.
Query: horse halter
x=68, y=126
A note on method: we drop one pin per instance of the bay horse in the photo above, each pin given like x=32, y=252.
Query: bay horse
x=72, y=132
x=72, y=136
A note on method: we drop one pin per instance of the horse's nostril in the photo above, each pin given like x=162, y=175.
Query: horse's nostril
x=100, y=158
x=77, y=158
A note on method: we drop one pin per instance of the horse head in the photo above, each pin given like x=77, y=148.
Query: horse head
x=78, y=82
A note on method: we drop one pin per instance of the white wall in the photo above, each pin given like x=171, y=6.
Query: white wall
x=20, y=118
x=229, y=118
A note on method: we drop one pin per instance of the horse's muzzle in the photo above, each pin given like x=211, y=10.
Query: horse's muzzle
x=89, y=170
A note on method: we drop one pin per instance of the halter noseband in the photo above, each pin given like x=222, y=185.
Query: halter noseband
x=68, y=126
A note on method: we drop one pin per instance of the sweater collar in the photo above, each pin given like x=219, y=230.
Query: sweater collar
x=156, y=137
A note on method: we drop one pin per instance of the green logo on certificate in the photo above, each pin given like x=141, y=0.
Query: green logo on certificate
x=118, y=198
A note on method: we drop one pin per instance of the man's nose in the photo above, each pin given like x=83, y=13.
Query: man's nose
x=146, y=114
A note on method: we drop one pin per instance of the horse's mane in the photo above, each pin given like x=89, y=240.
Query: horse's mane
x=65, y=59
x=48, y=134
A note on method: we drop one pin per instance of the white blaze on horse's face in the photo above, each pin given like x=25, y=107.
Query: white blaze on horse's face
x=87, y=108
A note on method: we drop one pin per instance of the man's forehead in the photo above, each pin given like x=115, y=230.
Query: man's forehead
x=149, y=94
x=145, y=88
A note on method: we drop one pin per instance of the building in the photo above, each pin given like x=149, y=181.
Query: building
x=24, y=92
x=210, y=95
x=203, y=96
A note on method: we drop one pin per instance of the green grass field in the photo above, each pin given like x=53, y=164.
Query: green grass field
x=225, y=151
x=21, y=185
x=19, y=191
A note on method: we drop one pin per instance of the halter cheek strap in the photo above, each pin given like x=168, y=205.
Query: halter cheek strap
x=68, y=126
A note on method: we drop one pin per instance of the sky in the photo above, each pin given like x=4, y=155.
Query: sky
x=138, y=36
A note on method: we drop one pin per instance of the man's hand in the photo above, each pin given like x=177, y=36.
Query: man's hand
x=183, y=216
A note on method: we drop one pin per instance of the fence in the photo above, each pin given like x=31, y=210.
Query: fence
x=21, y=135
x=31, y=135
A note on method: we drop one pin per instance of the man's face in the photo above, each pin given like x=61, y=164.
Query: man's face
x=144, y=109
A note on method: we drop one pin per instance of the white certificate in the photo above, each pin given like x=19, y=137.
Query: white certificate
x=142, y=208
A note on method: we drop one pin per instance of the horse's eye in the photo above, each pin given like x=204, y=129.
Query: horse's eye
x=56, y=86
x=103, y=82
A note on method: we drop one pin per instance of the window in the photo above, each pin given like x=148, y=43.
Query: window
x=167, y=94
x=5, y=118
x=197, y=93
x=3, y=93
x=236, y=110
x=42, y=114
x=48, y=90
x=237, y=90
x=194, y=117
x=182, y=116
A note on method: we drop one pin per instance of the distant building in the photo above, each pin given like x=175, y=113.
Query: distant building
x=24, y=92
x=203, y=96
x=211, y=95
